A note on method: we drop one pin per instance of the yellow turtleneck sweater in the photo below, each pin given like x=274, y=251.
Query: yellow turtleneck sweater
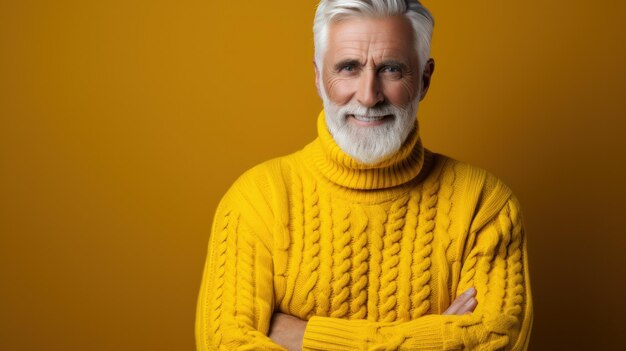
x=369, y=255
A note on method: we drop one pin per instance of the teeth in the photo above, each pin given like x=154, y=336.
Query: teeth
x=369, y=118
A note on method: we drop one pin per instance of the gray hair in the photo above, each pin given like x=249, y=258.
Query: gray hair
x=329, y=11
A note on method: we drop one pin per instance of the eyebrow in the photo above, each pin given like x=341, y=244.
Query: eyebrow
x=357, y=63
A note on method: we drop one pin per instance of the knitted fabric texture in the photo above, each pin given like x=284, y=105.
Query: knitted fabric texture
x=369, y=255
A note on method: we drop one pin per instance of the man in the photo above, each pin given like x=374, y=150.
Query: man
x=364, y=239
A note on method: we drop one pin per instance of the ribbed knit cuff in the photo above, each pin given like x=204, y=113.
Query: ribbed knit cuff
x=324, y=333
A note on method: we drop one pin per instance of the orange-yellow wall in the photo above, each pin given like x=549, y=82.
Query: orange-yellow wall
x=123, y=122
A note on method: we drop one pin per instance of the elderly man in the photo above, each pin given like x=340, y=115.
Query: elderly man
x=365, y=239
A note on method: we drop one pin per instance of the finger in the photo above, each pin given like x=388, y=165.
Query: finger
x=460, y=301
x=467, y=307
x=457, y=303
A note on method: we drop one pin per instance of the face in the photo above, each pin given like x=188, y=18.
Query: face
x=371, y=85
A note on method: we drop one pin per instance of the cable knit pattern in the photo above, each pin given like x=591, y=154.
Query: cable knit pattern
x=220, y=270
x=369, y=255
x=312, y=250
x=391, y=260
x=378, y=228
x=420, y=279
x=515, y=280
x=442, y=228
x=230, y=274
x=245, y=315
x=496, y=321
x=358, y=308
x=341, y=262
x=390, y=341
x=407, y=247
x=297, y=238
x=326, y=254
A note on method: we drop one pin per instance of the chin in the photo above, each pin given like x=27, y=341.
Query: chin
x=370, y=135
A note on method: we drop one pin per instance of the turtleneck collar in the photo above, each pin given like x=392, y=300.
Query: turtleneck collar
x=342, y=169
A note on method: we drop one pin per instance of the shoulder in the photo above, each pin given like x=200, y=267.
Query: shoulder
x=266, y=177
x=471, y=175
x=479, y=191
x=250, y=203
x=262, y=188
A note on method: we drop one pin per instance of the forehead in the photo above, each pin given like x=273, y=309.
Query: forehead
x=363, y=37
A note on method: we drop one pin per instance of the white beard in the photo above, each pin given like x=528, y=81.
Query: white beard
x=373, y=144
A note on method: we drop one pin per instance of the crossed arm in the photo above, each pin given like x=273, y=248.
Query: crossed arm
x=288, y=331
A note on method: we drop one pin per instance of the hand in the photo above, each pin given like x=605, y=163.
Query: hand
x=287, y=331
x=463, y=304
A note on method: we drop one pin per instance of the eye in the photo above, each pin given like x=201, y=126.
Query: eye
x=347, y=68
x=391, y=69
x=392, y=72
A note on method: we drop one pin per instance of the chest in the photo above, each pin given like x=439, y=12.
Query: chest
x=382, y=262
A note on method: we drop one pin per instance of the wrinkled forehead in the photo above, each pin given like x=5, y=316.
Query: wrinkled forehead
x=362, y=37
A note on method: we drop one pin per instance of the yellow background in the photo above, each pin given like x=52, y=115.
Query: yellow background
x=123, y=122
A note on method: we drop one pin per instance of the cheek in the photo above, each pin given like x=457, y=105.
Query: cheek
x=340, y=91
x=400, y=93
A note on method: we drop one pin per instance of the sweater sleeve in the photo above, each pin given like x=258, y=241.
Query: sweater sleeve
x=236, y=299
x=495, y=264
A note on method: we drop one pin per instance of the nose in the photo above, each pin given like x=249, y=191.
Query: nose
x=369, y=92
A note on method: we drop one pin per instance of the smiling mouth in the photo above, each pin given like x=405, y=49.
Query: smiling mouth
x=369, y=120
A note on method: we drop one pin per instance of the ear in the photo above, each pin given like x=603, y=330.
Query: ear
x=317, y=79
x=429, y=69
